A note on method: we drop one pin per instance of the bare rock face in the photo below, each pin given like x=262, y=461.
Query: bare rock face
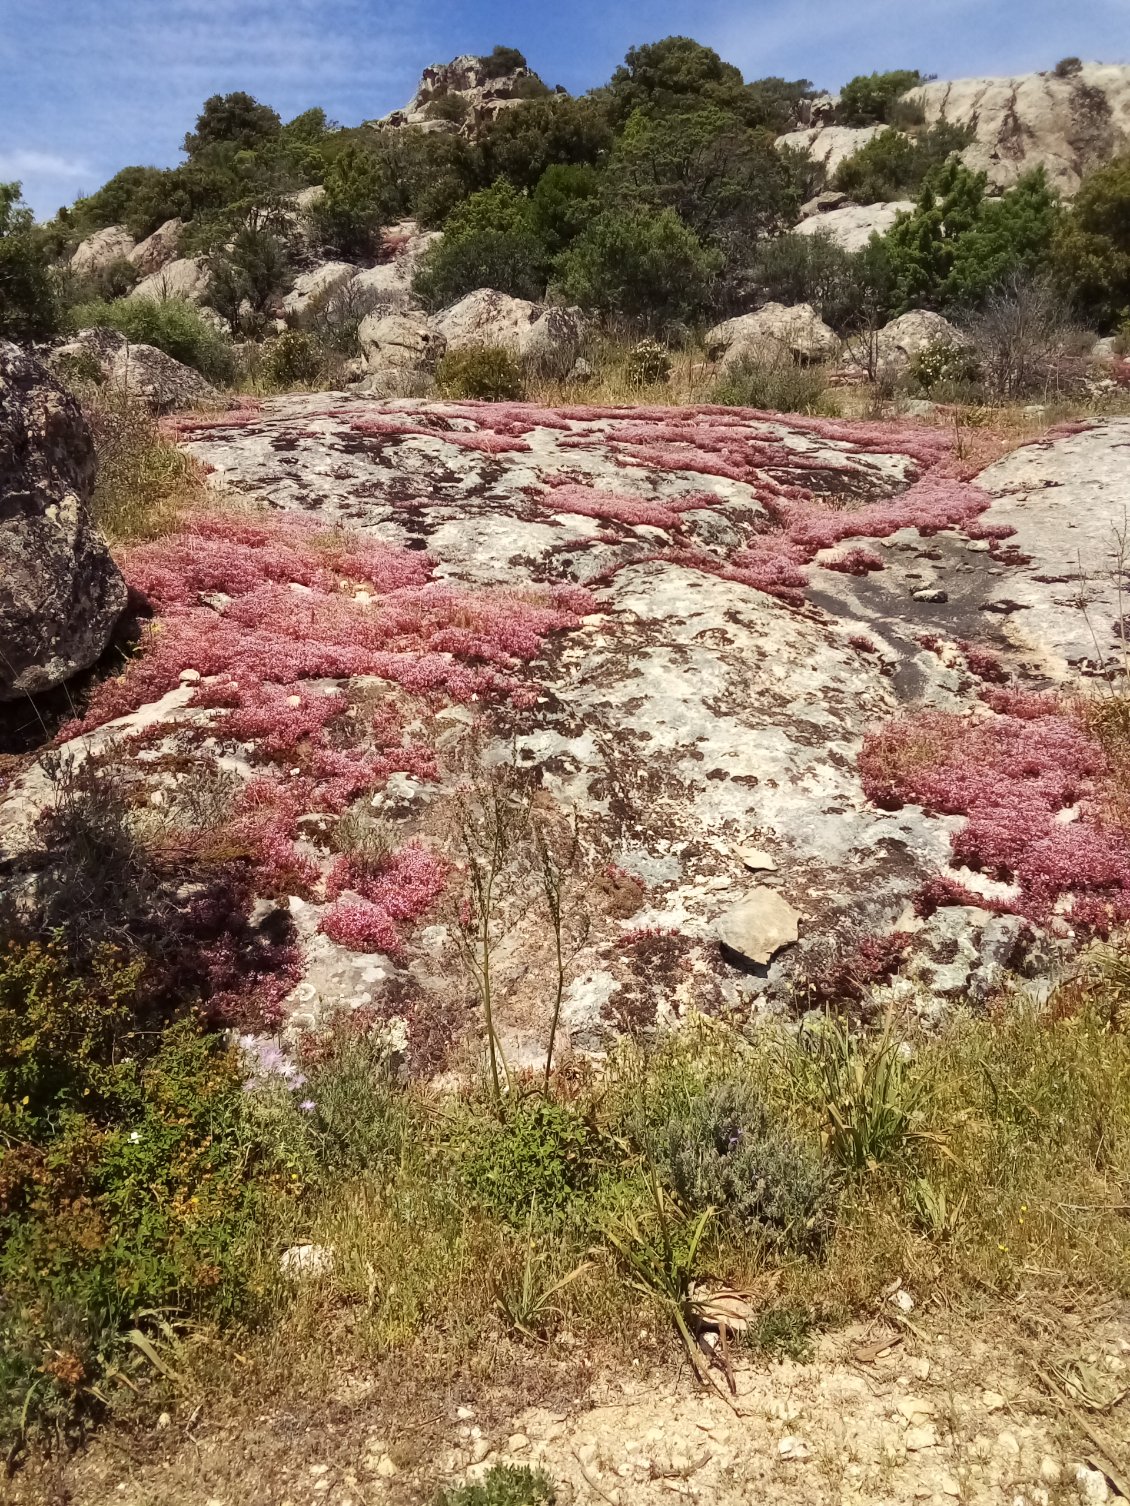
x=102, y=249
x=852, y=225
x=187, y=277
x=796, y=331
x=158, y=249
x=1065, y=125
x=824, y=203
x=706, y=712
x=399, y=349
x=317, y=283
x=545, y=337
x=390, y=281
x=829, y=144
x=60, y=592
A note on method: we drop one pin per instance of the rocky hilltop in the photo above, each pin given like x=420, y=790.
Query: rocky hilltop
x=467, y=91
x=1066, y=124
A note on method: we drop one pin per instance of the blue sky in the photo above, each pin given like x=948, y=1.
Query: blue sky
x=88, y=86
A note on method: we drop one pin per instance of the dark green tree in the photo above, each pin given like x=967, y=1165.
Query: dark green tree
x=564, y=201
x=357, y=202
x=1010, y=243
x=726, y=181
x=644, y=265
x=522, y=142
x=503, y=60
x=957, y=246
x=140, y=198
x=1092, y=247
x=253, y=269
x=490, y=241
x=672, y=74
x=236, y=120
x=921, y=244
x=871, y=98
x=28, y=304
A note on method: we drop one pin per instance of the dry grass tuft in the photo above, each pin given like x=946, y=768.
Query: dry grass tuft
x=145, y=484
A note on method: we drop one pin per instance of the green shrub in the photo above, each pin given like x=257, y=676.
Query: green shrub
x=538, y=1154
x=490, y=241
x=171, y=324
x=775, y=385
x=670, y=75
x=452, y=107
x=1092, y=245
x=944, y=364
x=503, y=60
x=894, y=166
x=249, y=272
x=292, y=360
x=523, y=143
x=358, y=201
x=718, y=1147
x=131, y=1178
x=957, y=246
x=871, y=98
x=486, y=373
x=140, y=198
x=29, y=307
x=644, y=266
x=502, y=1485
x=846, y=288
x=563, y=202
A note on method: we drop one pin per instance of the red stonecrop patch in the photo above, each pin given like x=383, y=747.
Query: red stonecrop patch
x=855, y=562
x=752, y=448
x=260, y=609
x=1029, y=781
x=370, y=908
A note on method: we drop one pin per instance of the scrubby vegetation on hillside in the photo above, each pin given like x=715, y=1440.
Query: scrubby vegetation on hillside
x=659, y=199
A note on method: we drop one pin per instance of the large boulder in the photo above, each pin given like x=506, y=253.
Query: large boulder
x=773, y=331
x=400, y=350
x=852, y=225
x=317, y=283
x=906, y=337
x=1064, y=124
x=101, y=250
x=60, y=592
x=158, y=249
x=187, y=277
x=157, y=380
x=546, y=338
x=144, y=372
x=388, y=285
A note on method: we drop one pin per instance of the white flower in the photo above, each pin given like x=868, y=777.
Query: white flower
x=134, y=1138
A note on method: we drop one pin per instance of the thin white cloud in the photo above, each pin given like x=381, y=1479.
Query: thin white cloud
x=15, y=163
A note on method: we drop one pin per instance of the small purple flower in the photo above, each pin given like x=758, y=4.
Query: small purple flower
x=307, y=1105
x=266, y=1060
